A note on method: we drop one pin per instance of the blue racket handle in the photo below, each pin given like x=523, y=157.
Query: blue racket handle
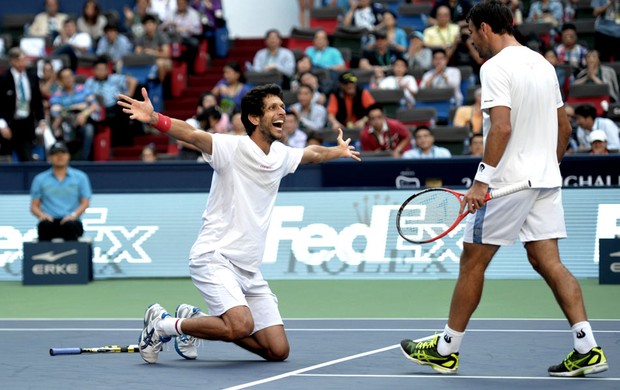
x=65, y=351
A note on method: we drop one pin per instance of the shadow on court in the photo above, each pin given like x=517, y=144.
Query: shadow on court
x=325, y=354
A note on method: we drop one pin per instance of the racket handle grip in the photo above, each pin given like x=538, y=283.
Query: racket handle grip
x=65, y=351
x=511, y=189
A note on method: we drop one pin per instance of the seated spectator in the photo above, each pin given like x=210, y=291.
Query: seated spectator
x=595, y=73
x=303, y=64
x=155, y=43
x=443, y=76
x=312, y=116
x=206, y=101
x=149, y=153
x=364, y=14
x=212, y=18
x=607, y=29
x=72, y=43
x=573, y=143
x=164, y=9
x=274, y=56
x=458, y=11
x=315, y=138
x=312, y=80
x=444, y=34
x=401, y=80
x=71, y=108
x=380, y=56
x=324, y=56
x=466, y=54
x=598, y=142
x=292, y=135
x=347, y=106
x=396, y=36
x=59, y=196
x=517, y=13
x=113, y=44
x=134, y=17
x=186, y=25
x=108, y=86
x=232, y=88
x=563, y=75
x=418, y=56
x=381, y=133
x=48, y=83
x=425, y=145
x=585, y=116
x=92, y=21
x=470, y=116
x=476, y=145
x=49, y=23
x=236, y=124
x=569, y=51
x=546, y=11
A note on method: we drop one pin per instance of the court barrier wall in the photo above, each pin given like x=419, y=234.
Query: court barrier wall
x=325, y=234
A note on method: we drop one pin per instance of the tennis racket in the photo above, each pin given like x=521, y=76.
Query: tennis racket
x=106, y=349
x=433, y=213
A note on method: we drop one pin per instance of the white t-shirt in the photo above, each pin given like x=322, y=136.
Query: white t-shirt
x=522, y=80
x=243, y=193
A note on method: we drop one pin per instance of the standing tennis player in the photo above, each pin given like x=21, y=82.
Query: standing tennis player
x=526, y=132
x=225, y=259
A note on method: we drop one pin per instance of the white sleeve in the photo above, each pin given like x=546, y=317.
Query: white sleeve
x=495, y=89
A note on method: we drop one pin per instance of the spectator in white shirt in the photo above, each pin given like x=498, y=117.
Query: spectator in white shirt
x=585, y=116
x=425, y=146
x=274, y=56
x=291, y=134
x=443, y=76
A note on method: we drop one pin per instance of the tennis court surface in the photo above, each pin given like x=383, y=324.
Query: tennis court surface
x=325, y=354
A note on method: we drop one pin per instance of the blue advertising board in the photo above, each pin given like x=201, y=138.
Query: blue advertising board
x=313, y=235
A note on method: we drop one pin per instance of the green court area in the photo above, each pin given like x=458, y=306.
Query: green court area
x=128, y=298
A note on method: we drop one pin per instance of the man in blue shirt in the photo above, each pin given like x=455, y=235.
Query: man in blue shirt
x=59, y=196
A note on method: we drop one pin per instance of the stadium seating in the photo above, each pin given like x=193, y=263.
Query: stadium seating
x=326, y=18
x=389, y=98
x=593, y=94
x=414, y=15
x=414, y=117
x=442, y=99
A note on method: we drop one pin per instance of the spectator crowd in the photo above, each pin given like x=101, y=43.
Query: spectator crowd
x=400, y=84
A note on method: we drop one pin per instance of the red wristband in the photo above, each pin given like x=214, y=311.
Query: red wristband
x=163, y=123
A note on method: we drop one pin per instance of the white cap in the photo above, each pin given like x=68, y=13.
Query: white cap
x=598, y=135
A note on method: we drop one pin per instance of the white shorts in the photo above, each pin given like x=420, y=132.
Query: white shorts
x=530, y=215
x=224, y=286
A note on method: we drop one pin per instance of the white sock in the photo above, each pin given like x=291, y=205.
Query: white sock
x=450, y=341
x=170, y=326
x=583, y=337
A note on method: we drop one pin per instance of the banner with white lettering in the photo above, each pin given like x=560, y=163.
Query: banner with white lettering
x=313, y=235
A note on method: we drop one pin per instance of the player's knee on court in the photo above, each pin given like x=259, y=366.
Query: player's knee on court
x=278, y=352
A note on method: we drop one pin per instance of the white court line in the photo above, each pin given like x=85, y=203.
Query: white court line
x=316, y=366
x=319, y=319
x=309, y=330
x=439, y=376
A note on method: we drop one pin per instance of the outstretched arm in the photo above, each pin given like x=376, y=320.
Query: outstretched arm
x=181, y=130
x=317, y=154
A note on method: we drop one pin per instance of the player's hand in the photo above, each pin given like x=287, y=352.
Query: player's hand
x=347, y=150
x=142, y=111
x=474, y=199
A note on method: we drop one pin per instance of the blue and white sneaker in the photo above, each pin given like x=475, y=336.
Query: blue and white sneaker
x=187, y=346
x=150, y=342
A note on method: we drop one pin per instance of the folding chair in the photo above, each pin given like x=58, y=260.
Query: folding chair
x=593, y=94
x=414, y=15
x=389, y=98
x=325, y=18
x=300, y=38
x=451, y=137
x=442, y=99
x=415, y=117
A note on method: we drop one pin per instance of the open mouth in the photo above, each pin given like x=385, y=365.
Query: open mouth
x=278, y=124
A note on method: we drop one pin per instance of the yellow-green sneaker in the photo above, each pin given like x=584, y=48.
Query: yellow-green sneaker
x=425, y=352
x=577, y=364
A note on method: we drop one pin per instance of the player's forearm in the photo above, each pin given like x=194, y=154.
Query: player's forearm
x=496, y=144
x=181, y=130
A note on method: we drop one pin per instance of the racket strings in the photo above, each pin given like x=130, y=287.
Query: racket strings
x=429, y=214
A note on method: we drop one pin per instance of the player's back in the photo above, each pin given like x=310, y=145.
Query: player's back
x=524, y=81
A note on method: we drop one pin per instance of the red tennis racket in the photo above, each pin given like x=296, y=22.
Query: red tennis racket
x=433, y=213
